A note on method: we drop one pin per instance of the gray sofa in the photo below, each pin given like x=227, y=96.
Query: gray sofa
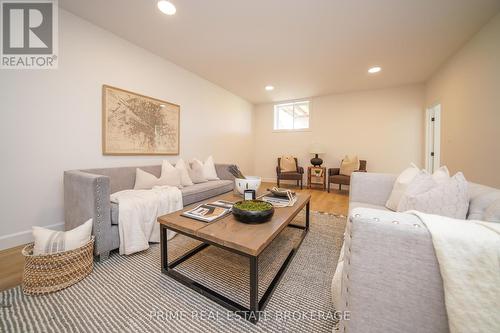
x=87, y=195
x=388, y=276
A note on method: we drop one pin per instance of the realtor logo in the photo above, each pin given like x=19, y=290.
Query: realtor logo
x=29, y=34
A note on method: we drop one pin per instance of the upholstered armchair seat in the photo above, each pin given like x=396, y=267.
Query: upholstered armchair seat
x=334, y=176
x=290, y=175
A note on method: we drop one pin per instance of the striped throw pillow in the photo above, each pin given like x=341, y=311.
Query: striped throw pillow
x=52, y=241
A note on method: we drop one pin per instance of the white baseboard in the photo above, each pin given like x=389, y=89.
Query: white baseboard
x=23, y=237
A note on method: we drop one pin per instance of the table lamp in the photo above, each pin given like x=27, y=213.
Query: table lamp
x=316, y=149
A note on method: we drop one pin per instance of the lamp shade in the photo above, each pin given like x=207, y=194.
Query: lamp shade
x=316, y=148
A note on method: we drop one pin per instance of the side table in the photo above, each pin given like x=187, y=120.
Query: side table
x=316, y=176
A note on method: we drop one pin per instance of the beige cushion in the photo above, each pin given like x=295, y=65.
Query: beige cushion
x=400, y=185
x=196, y=172
x=146, y=181
x=183, y=169
x=349, y=165
x=209, y=171
x=287, y=164
x=52, y=241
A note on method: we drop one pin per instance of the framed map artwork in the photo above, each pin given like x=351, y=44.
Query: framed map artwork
x=134, y=124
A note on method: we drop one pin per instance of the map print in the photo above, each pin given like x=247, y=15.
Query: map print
x=138, y=125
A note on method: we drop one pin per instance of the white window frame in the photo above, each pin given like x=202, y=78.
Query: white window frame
x=308, y=129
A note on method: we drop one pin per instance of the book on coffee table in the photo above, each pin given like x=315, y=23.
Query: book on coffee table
x=206, y=212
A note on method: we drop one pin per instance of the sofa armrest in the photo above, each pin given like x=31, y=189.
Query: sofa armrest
x=371, y=188
x=333, y=171
x=87, y=196
x=223, y=171
x=390, y=278
x=301, y=170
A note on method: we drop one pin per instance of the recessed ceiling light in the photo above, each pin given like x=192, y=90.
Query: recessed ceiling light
x=166, y=7
x=162, y=105
x=374, y=70
x=269, y=88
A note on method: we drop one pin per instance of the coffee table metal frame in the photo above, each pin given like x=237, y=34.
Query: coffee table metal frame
x=256, y=305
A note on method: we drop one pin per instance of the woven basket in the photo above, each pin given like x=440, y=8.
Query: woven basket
x=46, y=273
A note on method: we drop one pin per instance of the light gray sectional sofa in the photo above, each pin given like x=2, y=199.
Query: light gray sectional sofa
x=87, y=195
x=389, y=278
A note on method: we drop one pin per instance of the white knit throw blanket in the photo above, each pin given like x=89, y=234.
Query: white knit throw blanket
x=138, y=211
x=468, y=253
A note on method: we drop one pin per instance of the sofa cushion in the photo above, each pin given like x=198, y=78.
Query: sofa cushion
x=354, y=204
x=202, y=191
x=492, y=214
x=480, y=199
x=190, y=194
x=114, y=213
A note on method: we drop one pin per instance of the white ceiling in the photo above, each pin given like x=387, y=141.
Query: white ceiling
x=302, y=47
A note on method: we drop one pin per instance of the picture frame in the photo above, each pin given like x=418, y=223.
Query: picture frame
x=136, y=124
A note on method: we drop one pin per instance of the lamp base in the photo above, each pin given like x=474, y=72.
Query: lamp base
x=316, y=161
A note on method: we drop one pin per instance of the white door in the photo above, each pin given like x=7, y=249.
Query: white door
x=433, y=138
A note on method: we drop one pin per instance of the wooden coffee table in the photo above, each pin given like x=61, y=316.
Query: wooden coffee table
x=248, y=240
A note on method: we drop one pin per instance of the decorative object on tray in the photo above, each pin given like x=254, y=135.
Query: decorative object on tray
x=243, y=183
x=280, y=197
x=236, y=172
x=208, y=212
x=46, y=273
x=253, y=211
x=316, y=149
x=135, y=124
x=249, y=195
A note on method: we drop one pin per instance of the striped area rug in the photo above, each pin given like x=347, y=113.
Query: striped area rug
x=130, y=294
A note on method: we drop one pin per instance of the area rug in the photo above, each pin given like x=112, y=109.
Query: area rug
x=130, y=294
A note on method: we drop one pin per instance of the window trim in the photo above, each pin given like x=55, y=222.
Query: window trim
x=308, y=129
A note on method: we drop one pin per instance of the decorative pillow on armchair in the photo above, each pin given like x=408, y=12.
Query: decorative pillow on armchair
x=449, y=198
x=287, y=164
x=349, y=165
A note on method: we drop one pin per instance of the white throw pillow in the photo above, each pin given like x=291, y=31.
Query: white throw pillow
x=441, y=175
x=450, y=198
x=209, y=172
x=185, y=179
x=196, y=172
x=400, y=185
x=170, y=175
x=146, y=181
x=52, y=241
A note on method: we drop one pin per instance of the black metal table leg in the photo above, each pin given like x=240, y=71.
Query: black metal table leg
x=254, y=289
x=164, y=250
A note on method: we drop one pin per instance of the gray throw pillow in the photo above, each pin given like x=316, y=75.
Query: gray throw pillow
x=450, y=198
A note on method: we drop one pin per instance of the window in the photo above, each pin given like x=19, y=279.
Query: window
x=291, y=116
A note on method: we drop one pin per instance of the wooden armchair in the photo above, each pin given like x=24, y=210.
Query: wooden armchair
x=334, y=176
x=290, y=175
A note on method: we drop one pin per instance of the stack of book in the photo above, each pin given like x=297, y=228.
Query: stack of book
x=280, y=201
x=210, y=212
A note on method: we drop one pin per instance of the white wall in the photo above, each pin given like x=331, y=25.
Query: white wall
x=385, y=127
x=468, y=89
x=51, y=121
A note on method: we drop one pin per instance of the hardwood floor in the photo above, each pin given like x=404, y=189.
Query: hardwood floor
x=336, y=202
x=11, y=263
